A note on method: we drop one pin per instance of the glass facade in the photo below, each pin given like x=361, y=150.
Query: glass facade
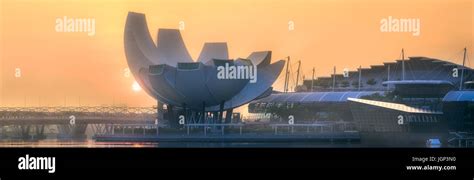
x=371, y=118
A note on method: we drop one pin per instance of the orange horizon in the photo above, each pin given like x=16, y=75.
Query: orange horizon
x=60, y=68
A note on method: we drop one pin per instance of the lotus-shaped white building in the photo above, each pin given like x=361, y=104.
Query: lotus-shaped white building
x=167, y=72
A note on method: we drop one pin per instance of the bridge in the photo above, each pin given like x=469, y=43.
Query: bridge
x=71, y=121
x=81, y=115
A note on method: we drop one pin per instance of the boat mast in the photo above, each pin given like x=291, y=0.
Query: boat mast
x=403, y=64
x=298, y=74
x=462, y=70
x=334, y=79
x=285, y=88
x=312, y=81
x=360, y=76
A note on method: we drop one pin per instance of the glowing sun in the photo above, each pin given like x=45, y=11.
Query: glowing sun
x=136, y=87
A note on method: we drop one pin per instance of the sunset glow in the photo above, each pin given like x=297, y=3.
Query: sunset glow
x=56, y=63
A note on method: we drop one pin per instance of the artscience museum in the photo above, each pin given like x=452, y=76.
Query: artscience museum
x=199, y=88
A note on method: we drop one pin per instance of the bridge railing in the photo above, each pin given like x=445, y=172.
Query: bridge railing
x=80, y=114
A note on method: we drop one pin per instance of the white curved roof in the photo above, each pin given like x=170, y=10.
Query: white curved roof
x=419, y=82
x=394, y=106
x=216, y=50
x=266, y=76
x=167, y=72
x=170, y=47
x=456, y=96
x=140, y=51
x=315, y=97
x=262, y=58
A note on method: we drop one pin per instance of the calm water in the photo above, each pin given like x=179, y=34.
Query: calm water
x=367, y=140
x=93, y=144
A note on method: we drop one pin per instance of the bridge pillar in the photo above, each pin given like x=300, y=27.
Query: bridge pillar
x=221, y=111
x=72, y=131
x=24, y=131
x=159, y=111
x=203, y=112
x=185, y=113
x=39, y=131
x=171, y=116
x=228, y=116
x=215, y=117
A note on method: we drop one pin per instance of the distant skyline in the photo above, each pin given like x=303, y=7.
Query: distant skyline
x=84, y=68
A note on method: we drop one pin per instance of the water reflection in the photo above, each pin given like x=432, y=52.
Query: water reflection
x=89, y=143
x=55, y=143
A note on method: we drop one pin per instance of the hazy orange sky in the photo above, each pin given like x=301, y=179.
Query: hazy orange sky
x=73, y=68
